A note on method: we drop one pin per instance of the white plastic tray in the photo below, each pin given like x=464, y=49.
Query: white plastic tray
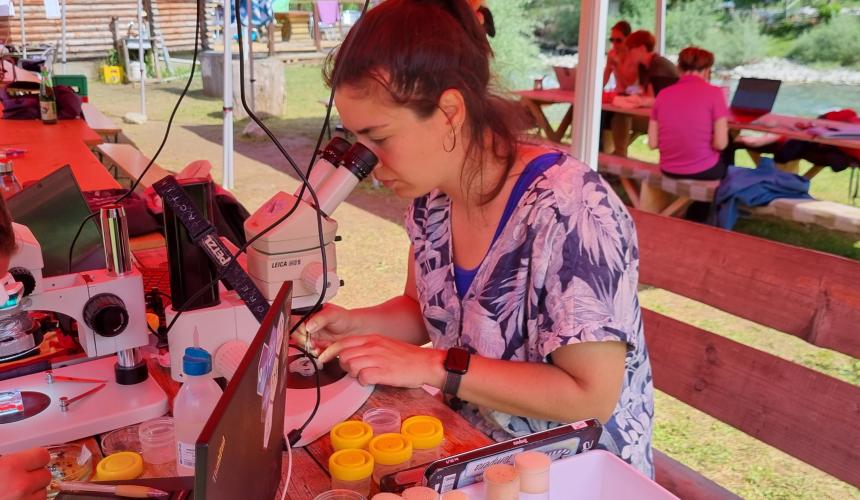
x=594, y=475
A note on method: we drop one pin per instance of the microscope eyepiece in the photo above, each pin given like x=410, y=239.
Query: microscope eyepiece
x=360, y=160
x=335, y=149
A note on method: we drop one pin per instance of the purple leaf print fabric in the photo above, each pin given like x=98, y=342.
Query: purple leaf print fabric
x=564, y=270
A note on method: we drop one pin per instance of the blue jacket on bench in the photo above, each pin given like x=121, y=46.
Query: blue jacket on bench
x=755, y=187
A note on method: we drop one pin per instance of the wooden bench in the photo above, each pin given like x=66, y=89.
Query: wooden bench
x=124, y=160
x=799, y=292
x=103, y=125
x=651, y=191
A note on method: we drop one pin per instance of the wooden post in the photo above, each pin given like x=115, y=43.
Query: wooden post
x=315, y=22
x=270, y=38
x=153, y=45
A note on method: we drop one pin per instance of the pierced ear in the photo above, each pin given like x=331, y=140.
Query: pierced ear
x=453, y=106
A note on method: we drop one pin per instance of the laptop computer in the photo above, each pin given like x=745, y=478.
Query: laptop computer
x=566, y=77
x=753, y=98
x=239, y=451
x=661, y=82
x=53, y=209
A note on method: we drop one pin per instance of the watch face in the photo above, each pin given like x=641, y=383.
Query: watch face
x=457, y=360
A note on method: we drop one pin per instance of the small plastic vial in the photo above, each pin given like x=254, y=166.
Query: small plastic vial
x=383, y=420
x=340, y=495
x=420, y=493
x=501, y=482
x=455, y=495
x=351, y=470
x=386, y=496
x=350, y=434
x=391, y=453
x=427, y=434
x=533, y=468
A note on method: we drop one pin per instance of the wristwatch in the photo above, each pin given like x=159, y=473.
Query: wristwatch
x=456, y=365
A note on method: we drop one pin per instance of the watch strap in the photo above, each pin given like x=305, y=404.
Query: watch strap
x=452, y=383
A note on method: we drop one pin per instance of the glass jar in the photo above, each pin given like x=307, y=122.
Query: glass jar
x=351, y=434
x=426, y=434
x=382, y=420
x=123, y=439
x=69, y=462
x=391, y=453
x=351, y=470
x=156, y=441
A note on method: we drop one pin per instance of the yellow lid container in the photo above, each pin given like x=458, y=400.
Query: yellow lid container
x=350, y=434
x=350, y=465
x=390, y=449
x=120, y=467
x=425, y=431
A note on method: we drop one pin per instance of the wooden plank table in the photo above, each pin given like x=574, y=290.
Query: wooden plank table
x=792, y=127
x=43, y=158
x=34, y=132
x=310, y=464
x=100, y=123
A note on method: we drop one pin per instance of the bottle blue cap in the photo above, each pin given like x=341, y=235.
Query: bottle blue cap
x=196, y=361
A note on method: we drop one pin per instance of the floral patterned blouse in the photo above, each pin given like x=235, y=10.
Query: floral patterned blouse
x=563, y=270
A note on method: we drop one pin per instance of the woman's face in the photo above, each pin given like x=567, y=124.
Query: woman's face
x=616, y=39
x=411, y=150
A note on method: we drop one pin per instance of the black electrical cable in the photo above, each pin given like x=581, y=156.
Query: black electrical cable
x=305, y=184
x=166, y=132
x=294, y=435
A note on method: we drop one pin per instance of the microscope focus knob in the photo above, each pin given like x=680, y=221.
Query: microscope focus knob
x=25, y=277
x=313, y=275
x=106, y=314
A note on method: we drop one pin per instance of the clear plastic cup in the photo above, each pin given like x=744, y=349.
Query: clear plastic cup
x=340, y=495
x=156, y=441
x=382, y=420
x=123, y=439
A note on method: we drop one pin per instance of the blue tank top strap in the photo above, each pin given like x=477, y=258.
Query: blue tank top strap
x=463, y=277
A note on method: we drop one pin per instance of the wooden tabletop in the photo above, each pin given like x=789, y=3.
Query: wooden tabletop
x=785, y=125
x=35, y=132
x=42, y=158
x=310, y=476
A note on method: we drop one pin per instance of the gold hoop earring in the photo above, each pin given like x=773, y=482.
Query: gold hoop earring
x=453, y=136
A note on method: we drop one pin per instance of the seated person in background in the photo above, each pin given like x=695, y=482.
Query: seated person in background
x=689, y=121
x=640, y=53
x=617, y=63
x=23, y=475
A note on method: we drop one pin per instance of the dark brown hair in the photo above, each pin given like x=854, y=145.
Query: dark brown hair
x=639, y=39
x=418, y=49
x=623, y=27
x=7, y=234
x=695, y=59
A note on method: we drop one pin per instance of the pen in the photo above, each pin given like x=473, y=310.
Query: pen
x=120, y=490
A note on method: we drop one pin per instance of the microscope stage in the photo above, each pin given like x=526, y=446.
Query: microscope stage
x=340, y=397
x=110, y=408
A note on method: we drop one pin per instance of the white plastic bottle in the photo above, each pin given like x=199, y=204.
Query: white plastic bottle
x=193, y=404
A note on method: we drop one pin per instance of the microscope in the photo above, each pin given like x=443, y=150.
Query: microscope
x=290, y=251
x=108, y=388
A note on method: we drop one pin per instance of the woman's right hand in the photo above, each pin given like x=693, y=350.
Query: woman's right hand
x=24, y=475
x=326, y=326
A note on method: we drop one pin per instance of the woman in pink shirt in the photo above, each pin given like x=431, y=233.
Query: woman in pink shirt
x=689, y=121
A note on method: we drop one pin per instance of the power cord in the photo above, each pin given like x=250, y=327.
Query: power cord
x=163, y=140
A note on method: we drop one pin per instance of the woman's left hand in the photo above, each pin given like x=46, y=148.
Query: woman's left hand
x=374, y=359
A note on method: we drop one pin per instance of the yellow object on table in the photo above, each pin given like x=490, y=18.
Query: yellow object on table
x=120, y=466
x=350, y=434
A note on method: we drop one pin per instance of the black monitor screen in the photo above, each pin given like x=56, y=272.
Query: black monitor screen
x=53, y=209
x=239, y=451
x=755, y=95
